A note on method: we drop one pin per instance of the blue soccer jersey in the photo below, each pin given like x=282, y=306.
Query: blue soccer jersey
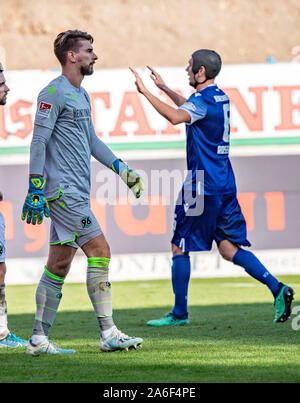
x=208, y=140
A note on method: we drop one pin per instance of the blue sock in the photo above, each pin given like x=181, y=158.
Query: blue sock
x=256, y=269
x=181, y=271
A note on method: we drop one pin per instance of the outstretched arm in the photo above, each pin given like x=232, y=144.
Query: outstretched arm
x=158, y=81
x=175, y=116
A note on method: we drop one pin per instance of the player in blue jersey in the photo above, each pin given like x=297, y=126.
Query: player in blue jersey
x=207, y=208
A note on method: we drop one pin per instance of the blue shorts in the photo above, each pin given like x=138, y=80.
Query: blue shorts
x=221, y=219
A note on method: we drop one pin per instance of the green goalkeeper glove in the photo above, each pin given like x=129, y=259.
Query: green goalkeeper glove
x=129, y=176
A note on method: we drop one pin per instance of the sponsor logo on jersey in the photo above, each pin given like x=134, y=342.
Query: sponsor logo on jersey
x=81, y=114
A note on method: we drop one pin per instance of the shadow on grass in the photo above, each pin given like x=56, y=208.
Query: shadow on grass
x=245, y=323
x=224, y=343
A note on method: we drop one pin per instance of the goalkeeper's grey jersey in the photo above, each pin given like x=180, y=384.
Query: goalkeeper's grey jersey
x=70, y=142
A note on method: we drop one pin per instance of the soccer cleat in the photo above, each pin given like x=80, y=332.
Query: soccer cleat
x=11, y=340
x=167, y=320
x=283, y=303
x=47, y=347
x=119, y=341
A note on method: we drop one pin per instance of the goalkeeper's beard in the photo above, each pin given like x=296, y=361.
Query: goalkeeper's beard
x=87, y=70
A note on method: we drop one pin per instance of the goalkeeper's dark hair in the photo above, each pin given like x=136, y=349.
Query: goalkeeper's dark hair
x=1, y=68
x=69, y=40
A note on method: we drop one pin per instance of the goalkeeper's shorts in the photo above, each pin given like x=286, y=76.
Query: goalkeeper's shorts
x=72, y=222
x=221, y=219
x=2, y=239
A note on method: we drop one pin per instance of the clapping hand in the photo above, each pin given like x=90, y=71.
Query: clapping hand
x=138, y=81
x=158, y=81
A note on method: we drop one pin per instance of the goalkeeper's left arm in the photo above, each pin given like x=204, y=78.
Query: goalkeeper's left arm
x=35, y=205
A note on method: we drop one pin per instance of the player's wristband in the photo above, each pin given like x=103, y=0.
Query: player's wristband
x=129, y=176
x=36, y=183
x=118, y=166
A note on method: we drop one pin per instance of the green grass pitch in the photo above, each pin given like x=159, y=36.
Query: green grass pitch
x=231, y=337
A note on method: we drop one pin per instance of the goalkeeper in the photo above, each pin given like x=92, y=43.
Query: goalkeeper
x=59, y=186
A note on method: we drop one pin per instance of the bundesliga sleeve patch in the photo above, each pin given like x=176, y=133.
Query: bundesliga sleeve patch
x=44, y=109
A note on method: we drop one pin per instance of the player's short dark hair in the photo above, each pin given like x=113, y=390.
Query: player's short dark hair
x=210, y=59
x=69, y=40
x=1, y=68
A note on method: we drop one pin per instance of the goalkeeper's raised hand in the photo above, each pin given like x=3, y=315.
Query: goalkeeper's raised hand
x=129, y=176
x=35, y=205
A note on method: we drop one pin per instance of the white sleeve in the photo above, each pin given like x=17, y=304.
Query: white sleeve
x=196, y=110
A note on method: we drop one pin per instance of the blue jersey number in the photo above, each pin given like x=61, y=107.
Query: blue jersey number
x=226, y=110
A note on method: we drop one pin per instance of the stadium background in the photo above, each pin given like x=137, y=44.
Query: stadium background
x=260, y=45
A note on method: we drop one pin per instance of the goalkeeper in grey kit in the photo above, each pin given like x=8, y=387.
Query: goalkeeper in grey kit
x=59, y=186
